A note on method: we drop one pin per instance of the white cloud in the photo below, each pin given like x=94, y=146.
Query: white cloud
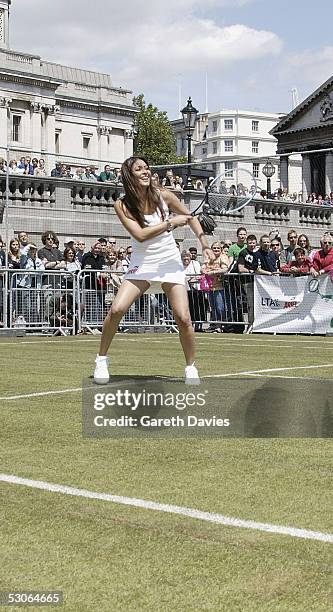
x=139, y=42
x=314, y=66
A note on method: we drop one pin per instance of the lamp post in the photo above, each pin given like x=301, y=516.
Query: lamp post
x=268, y=171
x=189, y=117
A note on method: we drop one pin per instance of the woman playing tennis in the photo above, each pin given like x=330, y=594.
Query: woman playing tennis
x=144, y=213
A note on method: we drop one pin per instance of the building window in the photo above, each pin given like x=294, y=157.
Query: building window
x=16, y=128
x=229, y=169
x=183, y=143
x=214, y=126
x=255, y=126
x=85, y=145
x=57, y=143
x=278, y=172
x=229, y=146
x=204, y=150
x=255, y=146
x=228, y=124
x=255, y=169
x=214, y=147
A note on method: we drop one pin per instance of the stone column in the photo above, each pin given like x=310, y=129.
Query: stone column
x=329, y=172
x=36, y=128
x=128, y=143
x=5, y=126
x=104, y=135
x=50, y=111
x=284, y=170
x=4, y=24
x=306, y=176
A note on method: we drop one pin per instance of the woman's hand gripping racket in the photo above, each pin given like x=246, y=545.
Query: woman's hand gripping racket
x=224, y=196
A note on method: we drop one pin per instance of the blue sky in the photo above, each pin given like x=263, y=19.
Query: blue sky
x=253, y=51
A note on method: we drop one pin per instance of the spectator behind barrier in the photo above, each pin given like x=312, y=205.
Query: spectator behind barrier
x=24, y=241
x=115, y=270
x=195, y=296
x=79, y=175
x=238, y=246
x=14, y=254
x=81, y=246
x=169, y=180
x=32, y=263
x=304, y=242
x=214, y=270
x=121, y=254
x=266, y=261
x=194, y=253
x=26, y=166
x=323, y=260
x=57, y=172
x=276, y=246
x=72, y=264
x=90, y=175
x=107, y=174
x=40, y=170
x=289, y=250
x=93, y=260
x=247, y=256
x=301, y=266
x=50, y=255
x=104, y=243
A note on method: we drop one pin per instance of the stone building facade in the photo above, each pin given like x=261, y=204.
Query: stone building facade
x=60, y=113
x=308, y=129
x=230, y=139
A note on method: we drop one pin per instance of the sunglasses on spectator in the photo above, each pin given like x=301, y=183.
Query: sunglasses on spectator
x=326, y=242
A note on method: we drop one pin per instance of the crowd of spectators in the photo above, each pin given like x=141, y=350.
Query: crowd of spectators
x=37, y=167
x=171, y=181
x=214, y=288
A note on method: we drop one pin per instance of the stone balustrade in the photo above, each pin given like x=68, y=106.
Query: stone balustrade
x=81, y=209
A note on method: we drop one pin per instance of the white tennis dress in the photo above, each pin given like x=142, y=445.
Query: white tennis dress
x=156, y=260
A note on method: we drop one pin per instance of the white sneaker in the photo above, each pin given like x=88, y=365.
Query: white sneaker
x=192, y=375
x=101, y=374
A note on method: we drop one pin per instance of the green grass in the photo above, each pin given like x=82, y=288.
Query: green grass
x=112, y=557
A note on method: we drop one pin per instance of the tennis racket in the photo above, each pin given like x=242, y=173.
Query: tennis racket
x=225, y=195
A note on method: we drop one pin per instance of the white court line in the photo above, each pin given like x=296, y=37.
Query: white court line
x=243, y=373
x=254, y=372
x=43, y=393
x=170, y=509
x=244, y=340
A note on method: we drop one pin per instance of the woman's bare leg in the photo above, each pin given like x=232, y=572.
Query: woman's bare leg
x=128, y=292
x=177, y=296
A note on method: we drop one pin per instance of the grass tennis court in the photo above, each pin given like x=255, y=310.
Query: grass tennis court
x=106, y=556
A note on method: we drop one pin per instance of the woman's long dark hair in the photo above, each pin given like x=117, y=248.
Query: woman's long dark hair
x=131, y=200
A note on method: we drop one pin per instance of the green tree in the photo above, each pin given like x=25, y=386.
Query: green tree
x=154, y=139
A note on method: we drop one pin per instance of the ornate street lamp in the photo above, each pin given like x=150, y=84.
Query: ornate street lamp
x=189, y=117
x=268, y=171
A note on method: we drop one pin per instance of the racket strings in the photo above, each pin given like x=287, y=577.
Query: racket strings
x=218, y=203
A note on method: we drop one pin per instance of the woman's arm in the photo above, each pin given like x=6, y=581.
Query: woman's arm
x=179, y=208
x=146, y=233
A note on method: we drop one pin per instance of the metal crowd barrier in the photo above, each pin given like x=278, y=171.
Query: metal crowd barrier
x=60, y=302
x=229, y=307
x=43, y=301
